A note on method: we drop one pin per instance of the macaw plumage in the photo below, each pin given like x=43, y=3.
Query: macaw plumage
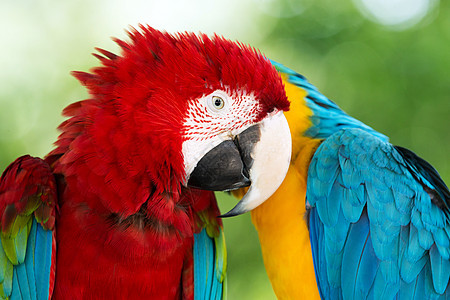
x=358, y=216
x=124, y=205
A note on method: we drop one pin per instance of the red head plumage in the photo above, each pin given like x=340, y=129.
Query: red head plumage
x=125, y=142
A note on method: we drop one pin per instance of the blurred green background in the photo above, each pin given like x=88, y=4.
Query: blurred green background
x=385, y=62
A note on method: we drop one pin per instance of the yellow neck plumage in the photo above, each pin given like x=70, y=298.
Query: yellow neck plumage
x=280, y=221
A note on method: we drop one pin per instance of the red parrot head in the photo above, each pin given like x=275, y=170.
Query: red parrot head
x=175, y=111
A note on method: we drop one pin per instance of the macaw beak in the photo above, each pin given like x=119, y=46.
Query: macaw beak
x=258, y=157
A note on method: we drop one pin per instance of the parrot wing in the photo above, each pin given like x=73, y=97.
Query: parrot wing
x=204, y=271
x=27, y=215
x=378, y=220
x=209, y=265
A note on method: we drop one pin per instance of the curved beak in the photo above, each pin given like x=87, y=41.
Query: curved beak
x=258, y=157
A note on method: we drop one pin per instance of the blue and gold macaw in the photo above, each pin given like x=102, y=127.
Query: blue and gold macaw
x=356, y=217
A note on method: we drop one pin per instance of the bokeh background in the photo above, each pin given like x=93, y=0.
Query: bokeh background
x=386, y=62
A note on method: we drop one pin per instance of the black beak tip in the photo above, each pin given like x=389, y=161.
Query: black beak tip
x=228, y=214
x=236, y=211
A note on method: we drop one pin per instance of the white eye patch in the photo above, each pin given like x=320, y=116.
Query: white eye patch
x=217, y=102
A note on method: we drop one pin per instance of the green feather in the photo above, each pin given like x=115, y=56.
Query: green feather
x=6, y=275
x=3, y=264
x=6, y=269
x=221, y=257
x=32, y=204
x=2, y=292
x=15, y=243
x=20, y=241
x=10, y=249
x=20, y=221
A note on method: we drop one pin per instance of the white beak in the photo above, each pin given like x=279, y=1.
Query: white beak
x=271, y=157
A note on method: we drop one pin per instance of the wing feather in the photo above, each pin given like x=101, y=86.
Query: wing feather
x=27, y=216
x=209, y=262
x=380, y=216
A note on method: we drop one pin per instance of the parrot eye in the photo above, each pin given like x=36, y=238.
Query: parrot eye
x=217, y=102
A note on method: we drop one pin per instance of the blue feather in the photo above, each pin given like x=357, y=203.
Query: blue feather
x=443, y=251
x=415, y=251
x=441, y=238
x=201, y=261
x=353, y=255
x=403, y=205
x=208, y=268
x=316, y=237
x=440, y=268
x=383, y=289
x=419, y=290
x=425, y=238
x=21, y=279
x=335, y=237
x=407, y=289
x=429, y=286
x=42, y=260
x=409, y=270
x=367, y=270
x=353, y=207
x=396, y=251
x=17, y=294
x=327, y=169
x=29, y=261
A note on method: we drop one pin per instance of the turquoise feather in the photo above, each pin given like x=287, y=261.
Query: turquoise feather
x=412, y=258
x=352, y=209
x=42, y=260
x=382, y=288
x=388, y=211
x=30, y=266
x=440, y=268
x=31, y=278
x=367, y=270
x=335, y=237
x=209, y=266
x=353, y=251
x=22, y=281
x=20, y=242
x=16, y=287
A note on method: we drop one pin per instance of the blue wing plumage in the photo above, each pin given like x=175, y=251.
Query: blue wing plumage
x=32, y=278
x=377, y=225
x=209, y=266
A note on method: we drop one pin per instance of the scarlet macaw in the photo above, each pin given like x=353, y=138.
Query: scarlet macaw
x=116, y=209
x=358, y=216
